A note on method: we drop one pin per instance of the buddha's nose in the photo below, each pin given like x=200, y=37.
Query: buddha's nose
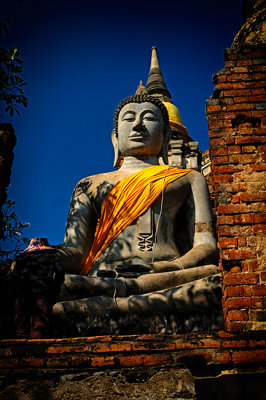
x=138, y=126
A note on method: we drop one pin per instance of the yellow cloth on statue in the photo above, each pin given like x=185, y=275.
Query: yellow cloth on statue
x=125, y=202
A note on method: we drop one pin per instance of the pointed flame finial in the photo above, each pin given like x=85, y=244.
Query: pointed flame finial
x=154, y=58
x=156, y=85
x=141, y=89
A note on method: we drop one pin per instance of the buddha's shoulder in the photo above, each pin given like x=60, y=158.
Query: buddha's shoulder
x=91, y=183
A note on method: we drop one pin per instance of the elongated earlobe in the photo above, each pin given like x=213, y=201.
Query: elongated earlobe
x=117, y=155
x=165, y=147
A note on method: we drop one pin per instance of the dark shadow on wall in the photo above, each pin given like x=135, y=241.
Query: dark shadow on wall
x=232, y=387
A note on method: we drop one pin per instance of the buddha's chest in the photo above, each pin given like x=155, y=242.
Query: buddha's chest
x=171, y=198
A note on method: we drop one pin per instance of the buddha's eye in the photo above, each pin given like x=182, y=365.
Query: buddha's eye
x=128, y=116
x=149, y=117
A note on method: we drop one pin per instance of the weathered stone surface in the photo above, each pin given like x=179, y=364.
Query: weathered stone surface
x=145, y=385
x=253, y=31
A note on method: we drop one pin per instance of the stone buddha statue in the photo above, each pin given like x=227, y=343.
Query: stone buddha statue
x=139, y=239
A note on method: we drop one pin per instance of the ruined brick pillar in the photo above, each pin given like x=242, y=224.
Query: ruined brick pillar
x=237, y=122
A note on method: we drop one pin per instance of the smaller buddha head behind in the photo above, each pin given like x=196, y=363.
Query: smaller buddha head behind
x=141, y=127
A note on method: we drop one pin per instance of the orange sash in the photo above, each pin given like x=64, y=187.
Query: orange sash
x=125, y=202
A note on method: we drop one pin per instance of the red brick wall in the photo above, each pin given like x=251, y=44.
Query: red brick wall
x=237, y=124
x=195, y=350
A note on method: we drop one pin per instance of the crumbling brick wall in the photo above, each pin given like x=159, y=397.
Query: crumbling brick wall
x=237, y=123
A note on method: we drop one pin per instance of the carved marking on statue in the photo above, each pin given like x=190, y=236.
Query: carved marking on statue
x=145, y=236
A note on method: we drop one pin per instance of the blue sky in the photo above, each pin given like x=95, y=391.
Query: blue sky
x=81, y=58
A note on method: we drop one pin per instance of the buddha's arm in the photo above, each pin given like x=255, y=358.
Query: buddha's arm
x=80, y=230
x=204, y=243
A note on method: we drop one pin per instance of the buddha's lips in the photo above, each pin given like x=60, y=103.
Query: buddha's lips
x=138, y=137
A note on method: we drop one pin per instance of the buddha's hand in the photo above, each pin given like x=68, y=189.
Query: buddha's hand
x=165, y=266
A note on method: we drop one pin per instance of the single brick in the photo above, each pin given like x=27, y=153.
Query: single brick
x=222, y=178
x=249, y=356
x=254, y=290
x=220, y=160
x=235, y=199
x=244, y=218
x=234, y=343
x=233, y=209
x=258, y=113
x=259, y=229
x=242, y=158
x=240, y=85
x=130, y=361
x=224, y=85
x=226, y=150
x=215, y=124
x=246, y=278
x=248, y=149
x=57, y=362
x=244, y=302
x=224, y=334
x=237, y=315
x=32, y=362
x=259, y=76
x=67, y=349
x=160, y=359
x=188, y=345
x=241, y=241
x=249, y=197
x=249, y=139
x=211, y=344
x=153, y=346
x=238, y=77
x=223, y=358
x=228, y=242
x=235, y=230
x=236, y=326
x=241, y=99
x=213, y=108
x=233, y=291
x=257, y=98
x=225, y=169
x=225, y=220
x=244, y=62
x=237, y=92
x=221, y=142
x=107, y=348
x=258, y=167
x=241, y=106
x=102, y=361
x=258, y=91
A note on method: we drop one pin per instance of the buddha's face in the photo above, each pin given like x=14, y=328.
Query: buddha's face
x=140, y=129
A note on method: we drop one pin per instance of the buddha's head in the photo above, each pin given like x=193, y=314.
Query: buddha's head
x=141, y=127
